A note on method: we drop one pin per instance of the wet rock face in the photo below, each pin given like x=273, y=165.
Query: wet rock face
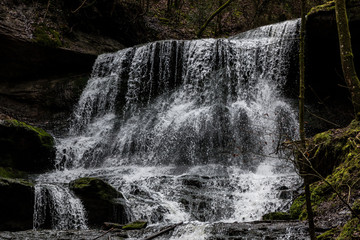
x=46, y=51
x=257, y=230
x=25, y=147
x=16, y=205
x=102, y=202
x=44, y=102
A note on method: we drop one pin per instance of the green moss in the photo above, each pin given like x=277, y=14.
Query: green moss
x=351, y=230
x=328, y=235
x=356, y=206
x=277, y=216
x=94, y=187
x=297, y=209
x=8, y=172
x=83, y=182
x=320, y=192
x=46, y=36
x=329, y=6
x=45, y=138
x=135, y=225
x=11, y=181
x=323, y=138
x=339, y=149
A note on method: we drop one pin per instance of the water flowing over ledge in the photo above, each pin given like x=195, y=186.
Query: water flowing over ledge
x=187, y=130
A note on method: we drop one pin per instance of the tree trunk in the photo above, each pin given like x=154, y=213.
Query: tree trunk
x=347, y=58
x=304, y=170
x=309, y=210
x=219, y=10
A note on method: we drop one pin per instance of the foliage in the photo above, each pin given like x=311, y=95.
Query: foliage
x=183, y=18
x=351, y=230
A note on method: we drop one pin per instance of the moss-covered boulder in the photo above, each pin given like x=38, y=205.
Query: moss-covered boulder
x=16, y=204
x=102, y=202
x=24, y=147
x=329, y=149
x=336, y=155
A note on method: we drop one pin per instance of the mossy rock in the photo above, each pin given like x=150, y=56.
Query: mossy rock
x=24, y=147
x=351, y=230
x=329, y=149
x=328, y=235
x=297, y=209
x=102, y=202
x=8, y=172
x=16, y=204
x=135, y=225
x=276, y=216
x=94, y=187
x=46, y=36
x=339, y=149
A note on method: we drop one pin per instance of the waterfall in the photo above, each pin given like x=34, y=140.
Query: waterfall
x=56, y=208
x=189, y=130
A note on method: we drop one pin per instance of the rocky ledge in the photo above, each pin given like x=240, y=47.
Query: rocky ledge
x=48, y=49
x=24, y=147
x=102, y=202
x=16, y=204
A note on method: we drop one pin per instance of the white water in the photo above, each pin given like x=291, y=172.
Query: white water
x=188, y=130
x=57, y=203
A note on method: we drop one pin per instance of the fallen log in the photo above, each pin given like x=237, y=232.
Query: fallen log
x=113, y=225
x=163, y=231
x=111, y=229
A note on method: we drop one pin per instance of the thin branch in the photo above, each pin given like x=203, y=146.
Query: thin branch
x=328, y=183
x=323, y=119
x=47, y=9
x=163, y=231
x=111, y=229
x=82, y=4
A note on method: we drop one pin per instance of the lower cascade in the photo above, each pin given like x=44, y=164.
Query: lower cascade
x=187, y=131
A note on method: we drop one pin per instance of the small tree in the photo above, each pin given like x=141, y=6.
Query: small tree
x=347, y=58
x=300, y=161
x=213, y=15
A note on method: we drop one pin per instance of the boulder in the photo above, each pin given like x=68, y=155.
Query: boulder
x=102, y=202
x=25, y=147
x=16, y=204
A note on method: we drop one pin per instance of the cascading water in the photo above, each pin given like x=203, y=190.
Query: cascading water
x=187, y=130
x=58, y=205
